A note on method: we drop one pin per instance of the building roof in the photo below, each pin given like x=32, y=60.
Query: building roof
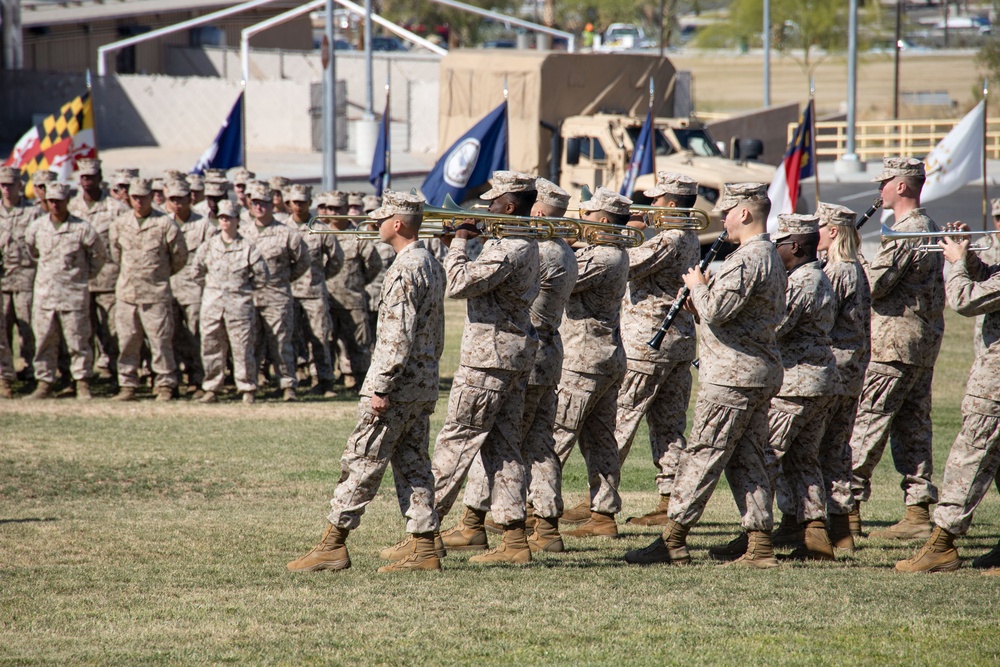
x=52, y=12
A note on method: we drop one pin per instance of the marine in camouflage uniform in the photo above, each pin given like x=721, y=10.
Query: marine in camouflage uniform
x=397, y=399
x=7, y=373
x=232, y=270
x=40, y=179
x=186, y=290
x=850, y=339
x=990, y=256
x=907, y=288
x=312, y=311
x=18, y=275
x=149, y=247
x=799, y=414
x=594, y=364
x=557, y=276
x=373, y=290
x=973, y=289
x=740, y=308
x=486, y=404
x=287, y=258
x=348, y=301
x=657, y=384
x=100, y=209
x=68, y=252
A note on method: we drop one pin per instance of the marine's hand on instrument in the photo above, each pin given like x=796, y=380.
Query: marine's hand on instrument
x=467, y=230
x=955, y=248
x=638, y=220
x=693, y=277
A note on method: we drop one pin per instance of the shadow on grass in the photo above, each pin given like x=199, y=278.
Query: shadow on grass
x=39, y=519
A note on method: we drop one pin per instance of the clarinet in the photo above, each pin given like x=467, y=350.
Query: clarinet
x=657, y=340
x=869, y=213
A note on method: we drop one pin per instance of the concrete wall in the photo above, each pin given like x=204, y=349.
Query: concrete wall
x=769, y=125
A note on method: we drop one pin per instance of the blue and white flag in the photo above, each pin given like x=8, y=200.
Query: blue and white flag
x=379, y=176
x=471, y=160
x=226, y=151
x=642, y=156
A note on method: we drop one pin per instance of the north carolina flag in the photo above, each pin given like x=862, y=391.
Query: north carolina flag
x=471, y=160
x=799, y=163
x=57, y=142
x=642, y=156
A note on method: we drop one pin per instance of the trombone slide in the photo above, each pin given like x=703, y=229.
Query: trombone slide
x=932, y=237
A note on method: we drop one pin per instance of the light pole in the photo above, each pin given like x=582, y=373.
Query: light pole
x=329, y=104
x=767, y=53
x=849, y=161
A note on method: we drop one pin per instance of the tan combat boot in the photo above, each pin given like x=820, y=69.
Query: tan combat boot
x=164, y=394
x=854, y=518
x=670, y=548
x=401, y=550
x=598, y=525
x=288, y=395
x=915, y=525
x=546, y=536
x=468, y=534
x=124, y=394
x=323, y=388
x=495, y=528
x=329, y=554
x=249, y=397
x=422, y=557
x=513, y=548
x=209, y=397
x=732, y=550
x=42, y=391
x=760, y=553
x=789, y=533
x=578, y=513
x=988, y=560
x=937, y=555
x=840, y=532
x=350, y=382
x=815, y=544
x=5, y=390
x=658, y=517
x=83, y=390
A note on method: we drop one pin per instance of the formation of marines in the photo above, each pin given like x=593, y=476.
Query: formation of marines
x=811, y=357
x=173, y=279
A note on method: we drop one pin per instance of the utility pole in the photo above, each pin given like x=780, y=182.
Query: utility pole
x=767, y=53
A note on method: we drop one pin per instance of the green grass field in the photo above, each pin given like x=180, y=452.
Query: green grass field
x=158, y=534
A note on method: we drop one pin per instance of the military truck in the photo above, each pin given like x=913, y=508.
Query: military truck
x=574, y=118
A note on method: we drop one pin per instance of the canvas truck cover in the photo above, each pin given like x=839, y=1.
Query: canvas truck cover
x=544, y=86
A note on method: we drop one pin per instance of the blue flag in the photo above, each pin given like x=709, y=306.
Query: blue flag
x=226, y=151
x=642, y=156
x=471, y=160
x=379, y=176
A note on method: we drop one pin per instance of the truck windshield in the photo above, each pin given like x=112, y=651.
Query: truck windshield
x=698, y=141
x=663, y=146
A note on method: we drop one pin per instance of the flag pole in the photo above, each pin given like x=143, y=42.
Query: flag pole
x=387, y=178
x=986, y=196
x=506, y=124
x=93, y=109
x=812, y=135
x=243, y=124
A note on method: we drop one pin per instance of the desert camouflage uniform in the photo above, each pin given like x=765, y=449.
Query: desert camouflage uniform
x=907, y=289
x=18, y=276
x=486, y=404
x=974, y=461
x=312, y=309
x=231, y=274
x=6, y=356
x=851, y=342
x=557, y=276
x=989, y=257
x=67, y=255
x=740, y=372
x=148, y=253
x=287, y=258
x=373, y=290
x=657, y=383
x=405, y=370
x=100, y=215
x=592, y=372
x=187, y=298
x=348, y=306
x=800, y=412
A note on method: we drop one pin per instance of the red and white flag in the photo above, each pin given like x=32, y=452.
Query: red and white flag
x=799, y=163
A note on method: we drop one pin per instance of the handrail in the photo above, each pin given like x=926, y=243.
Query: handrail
x=521, y=23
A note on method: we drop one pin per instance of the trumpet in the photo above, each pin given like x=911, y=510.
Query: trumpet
x=663, y=217
x=891, y=234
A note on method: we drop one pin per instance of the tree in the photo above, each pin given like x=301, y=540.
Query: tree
x=989, y=52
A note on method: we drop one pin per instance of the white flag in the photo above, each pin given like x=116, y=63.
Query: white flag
x=958, y=159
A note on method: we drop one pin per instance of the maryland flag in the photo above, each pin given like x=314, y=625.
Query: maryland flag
x=57, y=142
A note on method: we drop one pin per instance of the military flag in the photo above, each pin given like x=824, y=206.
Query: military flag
x=226, y=150
x=957, y=159
x=57, y=142
x=380, y=175
x=799, y=163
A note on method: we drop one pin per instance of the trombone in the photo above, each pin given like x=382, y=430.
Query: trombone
x=932, y=246
x=662, y=217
